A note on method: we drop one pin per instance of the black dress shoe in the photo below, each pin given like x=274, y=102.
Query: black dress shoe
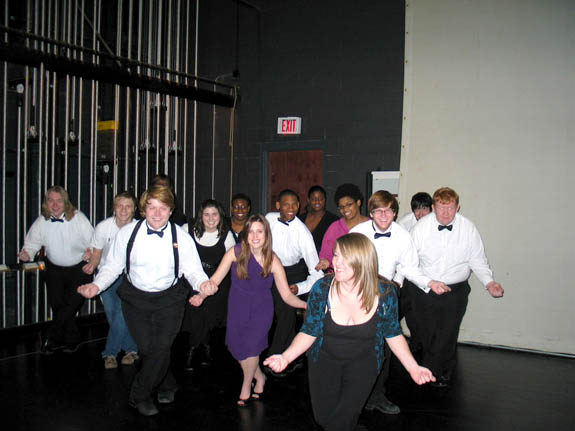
x=384, y=406
x=145, y=408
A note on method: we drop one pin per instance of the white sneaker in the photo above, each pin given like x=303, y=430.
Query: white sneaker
x=110, y=362
x=129, y=358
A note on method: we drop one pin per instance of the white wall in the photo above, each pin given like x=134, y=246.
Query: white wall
x=489, y=110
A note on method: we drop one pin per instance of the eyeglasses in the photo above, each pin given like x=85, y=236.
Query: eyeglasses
x=346, y=206
x=382, y=211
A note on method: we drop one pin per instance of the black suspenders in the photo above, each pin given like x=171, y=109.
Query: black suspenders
x=174, y=247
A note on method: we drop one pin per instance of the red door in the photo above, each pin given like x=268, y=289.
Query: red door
x=295, y=170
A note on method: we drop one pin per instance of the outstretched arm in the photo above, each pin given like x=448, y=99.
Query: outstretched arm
x=299, y=345
x=399, y=347
x=283, y=287
x=215, y=280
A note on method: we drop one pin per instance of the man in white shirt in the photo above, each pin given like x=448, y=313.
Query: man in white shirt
x=449, y=248
x=155, y=254
x=292, y=242
x=119, y=337
x=65, y=234
x=395, y=251
x=420, y=206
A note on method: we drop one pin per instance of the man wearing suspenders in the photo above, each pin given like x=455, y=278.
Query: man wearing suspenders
x=154, y=254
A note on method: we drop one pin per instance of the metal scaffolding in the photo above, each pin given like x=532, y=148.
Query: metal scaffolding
x=96, y=97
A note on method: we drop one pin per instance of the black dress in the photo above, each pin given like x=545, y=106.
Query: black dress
x=199, y=321
x=319, y=231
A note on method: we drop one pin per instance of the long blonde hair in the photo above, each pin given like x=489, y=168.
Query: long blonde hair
x=245, y=252
x=359, y=253
x=69, y=209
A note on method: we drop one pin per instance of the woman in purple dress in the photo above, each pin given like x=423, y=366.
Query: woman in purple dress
x=250, y=308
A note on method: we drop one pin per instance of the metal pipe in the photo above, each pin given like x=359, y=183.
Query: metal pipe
x=185, y=127
x=176, y=139
x=127, y=126
x=168, y=123
x=4, y=122
x=138, y=125
x=116, y=103
x=194, y=164
x=158, y=97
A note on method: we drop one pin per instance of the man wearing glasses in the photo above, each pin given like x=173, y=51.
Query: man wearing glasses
x=395, y=251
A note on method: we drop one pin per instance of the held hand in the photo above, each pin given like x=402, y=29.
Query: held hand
x=24, y=256
x=438, y=287
x=88, y=290
x=208, y=288
x=494, y=289
x=197, y=300
x=293, y=289
x=322, y=265
x=277, y=363
x=87, y=255
x=421, y=375
x=88, y=268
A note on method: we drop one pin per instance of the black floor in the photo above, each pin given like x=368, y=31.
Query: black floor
x=492, y=390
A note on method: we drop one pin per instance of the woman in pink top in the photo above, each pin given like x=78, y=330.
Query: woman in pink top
x=348, y=199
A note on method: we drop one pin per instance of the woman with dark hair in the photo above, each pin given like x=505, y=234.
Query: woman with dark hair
x=348, y=199
x=213, y=238
x=254, y=267
x=351, y=315
x=317, y=219
x=241, y=208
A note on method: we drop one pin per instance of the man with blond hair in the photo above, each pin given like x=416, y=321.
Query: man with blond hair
x=449, y=248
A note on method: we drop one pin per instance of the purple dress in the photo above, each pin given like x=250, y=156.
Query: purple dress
x=250, y=311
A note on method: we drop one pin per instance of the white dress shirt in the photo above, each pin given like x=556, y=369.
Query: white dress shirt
x=293, y=241
x=151, y=260
x=449, y=256
x=407, y=221
x=64, y=242
x=104, y=234
x=396, y=254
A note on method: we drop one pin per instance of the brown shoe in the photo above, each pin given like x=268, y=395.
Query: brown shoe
x=110, y=362
x=129, y=358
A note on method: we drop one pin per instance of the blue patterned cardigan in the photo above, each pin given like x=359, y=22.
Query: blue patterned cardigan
x=387, y=323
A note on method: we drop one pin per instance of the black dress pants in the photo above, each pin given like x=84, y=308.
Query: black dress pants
x=439, y=318
x=339, y=388
x=285, y=314
x=65, y=301
x=154, y=320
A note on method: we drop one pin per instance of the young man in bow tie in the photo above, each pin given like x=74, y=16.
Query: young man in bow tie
x=397, y=258
x=293, y=244
x=154, y=254
x=449, y=248
x=65, y=234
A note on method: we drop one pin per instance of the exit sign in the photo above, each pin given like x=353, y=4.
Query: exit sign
x=289, y=125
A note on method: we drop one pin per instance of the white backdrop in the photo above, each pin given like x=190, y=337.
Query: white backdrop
x=489, y=110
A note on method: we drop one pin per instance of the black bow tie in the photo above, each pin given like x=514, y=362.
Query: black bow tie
x=448, y=227
x=379, y=235
x=160, y=233
x=56, y=220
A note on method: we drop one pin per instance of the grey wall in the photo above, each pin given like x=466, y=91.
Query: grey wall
x=489, y=112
